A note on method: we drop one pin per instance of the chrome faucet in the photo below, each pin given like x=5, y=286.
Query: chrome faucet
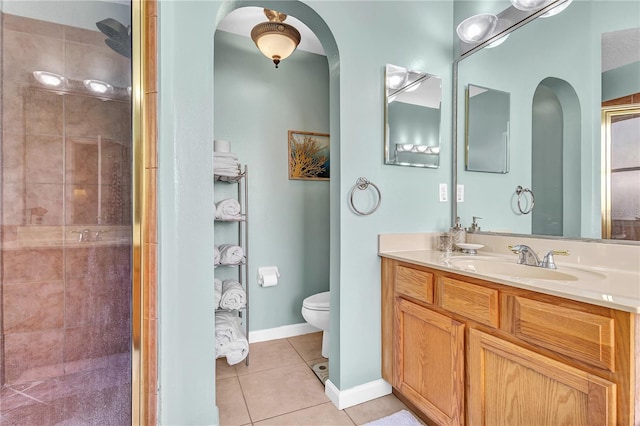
x=529, y=257
x=84, y=235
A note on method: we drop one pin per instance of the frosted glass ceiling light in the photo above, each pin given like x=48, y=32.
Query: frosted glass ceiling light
x=49, y=79
x=530, y=5
x=275, y=39
x=477, y=28
x=557, y=9
x=98, y=86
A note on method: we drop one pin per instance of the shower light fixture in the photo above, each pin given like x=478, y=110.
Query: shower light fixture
x=275, y=39
x=49, y=79
x=477, y=28
x=98, y=86
x=422, y=149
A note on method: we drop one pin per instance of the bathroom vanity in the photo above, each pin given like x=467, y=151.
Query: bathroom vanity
x=465, y=347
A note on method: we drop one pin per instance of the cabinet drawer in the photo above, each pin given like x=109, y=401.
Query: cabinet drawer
x=580, y=335
x=472, y=301
x=414, y=283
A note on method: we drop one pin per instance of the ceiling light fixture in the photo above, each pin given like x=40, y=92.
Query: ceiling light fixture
x=275, y=39
x=477, y=28
x=49, y=79
x=98, y=86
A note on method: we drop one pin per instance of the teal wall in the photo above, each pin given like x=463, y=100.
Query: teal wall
x=416, y=124
x=255, y=106
x=567, y=47
x=621, y=81
x=416, y=35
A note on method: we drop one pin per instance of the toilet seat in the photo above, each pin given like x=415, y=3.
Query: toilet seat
x=317, y=302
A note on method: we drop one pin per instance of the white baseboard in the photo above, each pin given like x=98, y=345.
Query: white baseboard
x=356, y=395
x=281, y=332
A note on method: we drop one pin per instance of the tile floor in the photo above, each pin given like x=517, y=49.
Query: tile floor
x=95, y=396
x=279, y=388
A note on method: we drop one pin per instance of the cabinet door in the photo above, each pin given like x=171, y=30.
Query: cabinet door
x=509, y=385
x=429, y=361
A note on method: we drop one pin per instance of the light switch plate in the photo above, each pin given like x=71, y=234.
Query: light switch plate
x=460, y=193
x=443, y=192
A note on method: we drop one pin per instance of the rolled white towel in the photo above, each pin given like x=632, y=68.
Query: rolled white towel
x=228, y=209
x=236, y=351
x=217, y=292
x=216, y=255
x=228, y=328
x=234, y=296
x=230, y=339
x=231, y=254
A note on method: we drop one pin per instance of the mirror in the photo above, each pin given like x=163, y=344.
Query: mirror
x=412, y=118
x=487, y=130
x=562, y=63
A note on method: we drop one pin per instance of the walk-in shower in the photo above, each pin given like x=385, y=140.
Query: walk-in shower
x=65, y=310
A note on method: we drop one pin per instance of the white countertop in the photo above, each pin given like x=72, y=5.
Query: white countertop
x=610, y=287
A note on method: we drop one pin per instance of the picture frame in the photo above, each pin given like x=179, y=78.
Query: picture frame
x=308, y=155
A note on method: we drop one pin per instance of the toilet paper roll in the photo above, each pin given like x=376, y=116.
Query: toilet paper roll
x=269, y=280
x=221, y=145
x=268, y=276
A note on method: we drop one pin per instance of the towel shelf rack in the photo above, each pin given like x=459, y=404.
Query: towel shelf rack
x=362, y=184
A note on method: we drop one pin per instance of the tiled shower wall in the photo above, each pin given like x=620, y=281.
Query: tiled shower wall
x=65, y=307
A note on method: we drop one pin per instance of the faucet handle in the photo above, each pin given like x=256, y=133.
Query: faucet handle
x=548, y=260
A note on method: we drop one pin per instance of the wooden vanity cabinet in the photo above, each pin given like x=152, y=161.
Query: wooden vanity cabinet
x=429, y=360
x=468, y=351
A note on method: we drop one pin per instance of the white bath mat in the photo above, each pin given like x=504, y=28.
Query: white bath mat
x=401, y=418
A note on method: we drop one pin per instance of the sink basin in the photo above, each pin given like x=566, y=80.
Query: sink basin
x=502, y=267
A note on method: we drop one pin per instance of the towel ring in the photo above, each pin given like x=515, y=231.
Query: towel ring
x=362, y=184
x=521, y=191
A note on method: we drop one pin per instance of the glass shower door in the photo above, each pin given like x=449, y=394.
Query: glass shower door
x=65, y=341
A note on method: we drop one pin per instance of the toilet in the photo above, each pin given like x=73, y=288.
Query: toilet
x=315, y=310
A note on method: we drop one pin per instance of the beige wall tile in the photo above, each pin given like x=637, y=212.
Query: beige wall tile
x=32, y=26
x=98, y=62
x=33, y=356
x=13, y=157
x=33, y=306
x=24, y=53
x=18, y=265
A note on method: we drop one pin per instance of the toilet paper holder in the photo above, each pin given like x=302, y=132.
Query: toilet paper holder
x=268, y=275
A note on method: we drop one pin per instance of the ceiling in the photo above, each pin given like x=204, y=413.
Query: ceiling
x=618, y=48
x=242, y=20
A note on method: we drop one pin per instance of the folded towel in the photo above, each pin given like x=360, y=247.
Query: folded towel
x=217, y=292
x=231, y=254
x=224, y=155
x=216, y=255
x=228, y=209
x=233, y=295
x=236, y=351
x=230, y=339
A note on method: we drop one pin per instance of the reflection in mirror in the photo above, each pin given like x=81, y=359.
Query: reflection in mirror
x=561, y=53
x=487, y=130
x=621, y=164
x=412, y=118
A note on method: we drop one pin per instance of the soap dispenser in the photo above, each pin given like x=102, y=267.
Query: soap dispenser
x=457, y=232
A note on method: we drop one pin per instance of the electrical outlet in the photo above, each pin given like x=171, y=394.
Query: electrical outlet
x=443, y=192
x=460, y=193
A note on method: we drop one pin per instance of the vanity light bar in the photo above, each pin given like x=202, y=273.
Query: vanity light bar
x=419, y=149
x=52, y=80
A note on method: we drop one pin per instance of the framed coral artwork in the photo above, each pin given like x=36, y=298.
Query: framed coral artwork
x=308, y=155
